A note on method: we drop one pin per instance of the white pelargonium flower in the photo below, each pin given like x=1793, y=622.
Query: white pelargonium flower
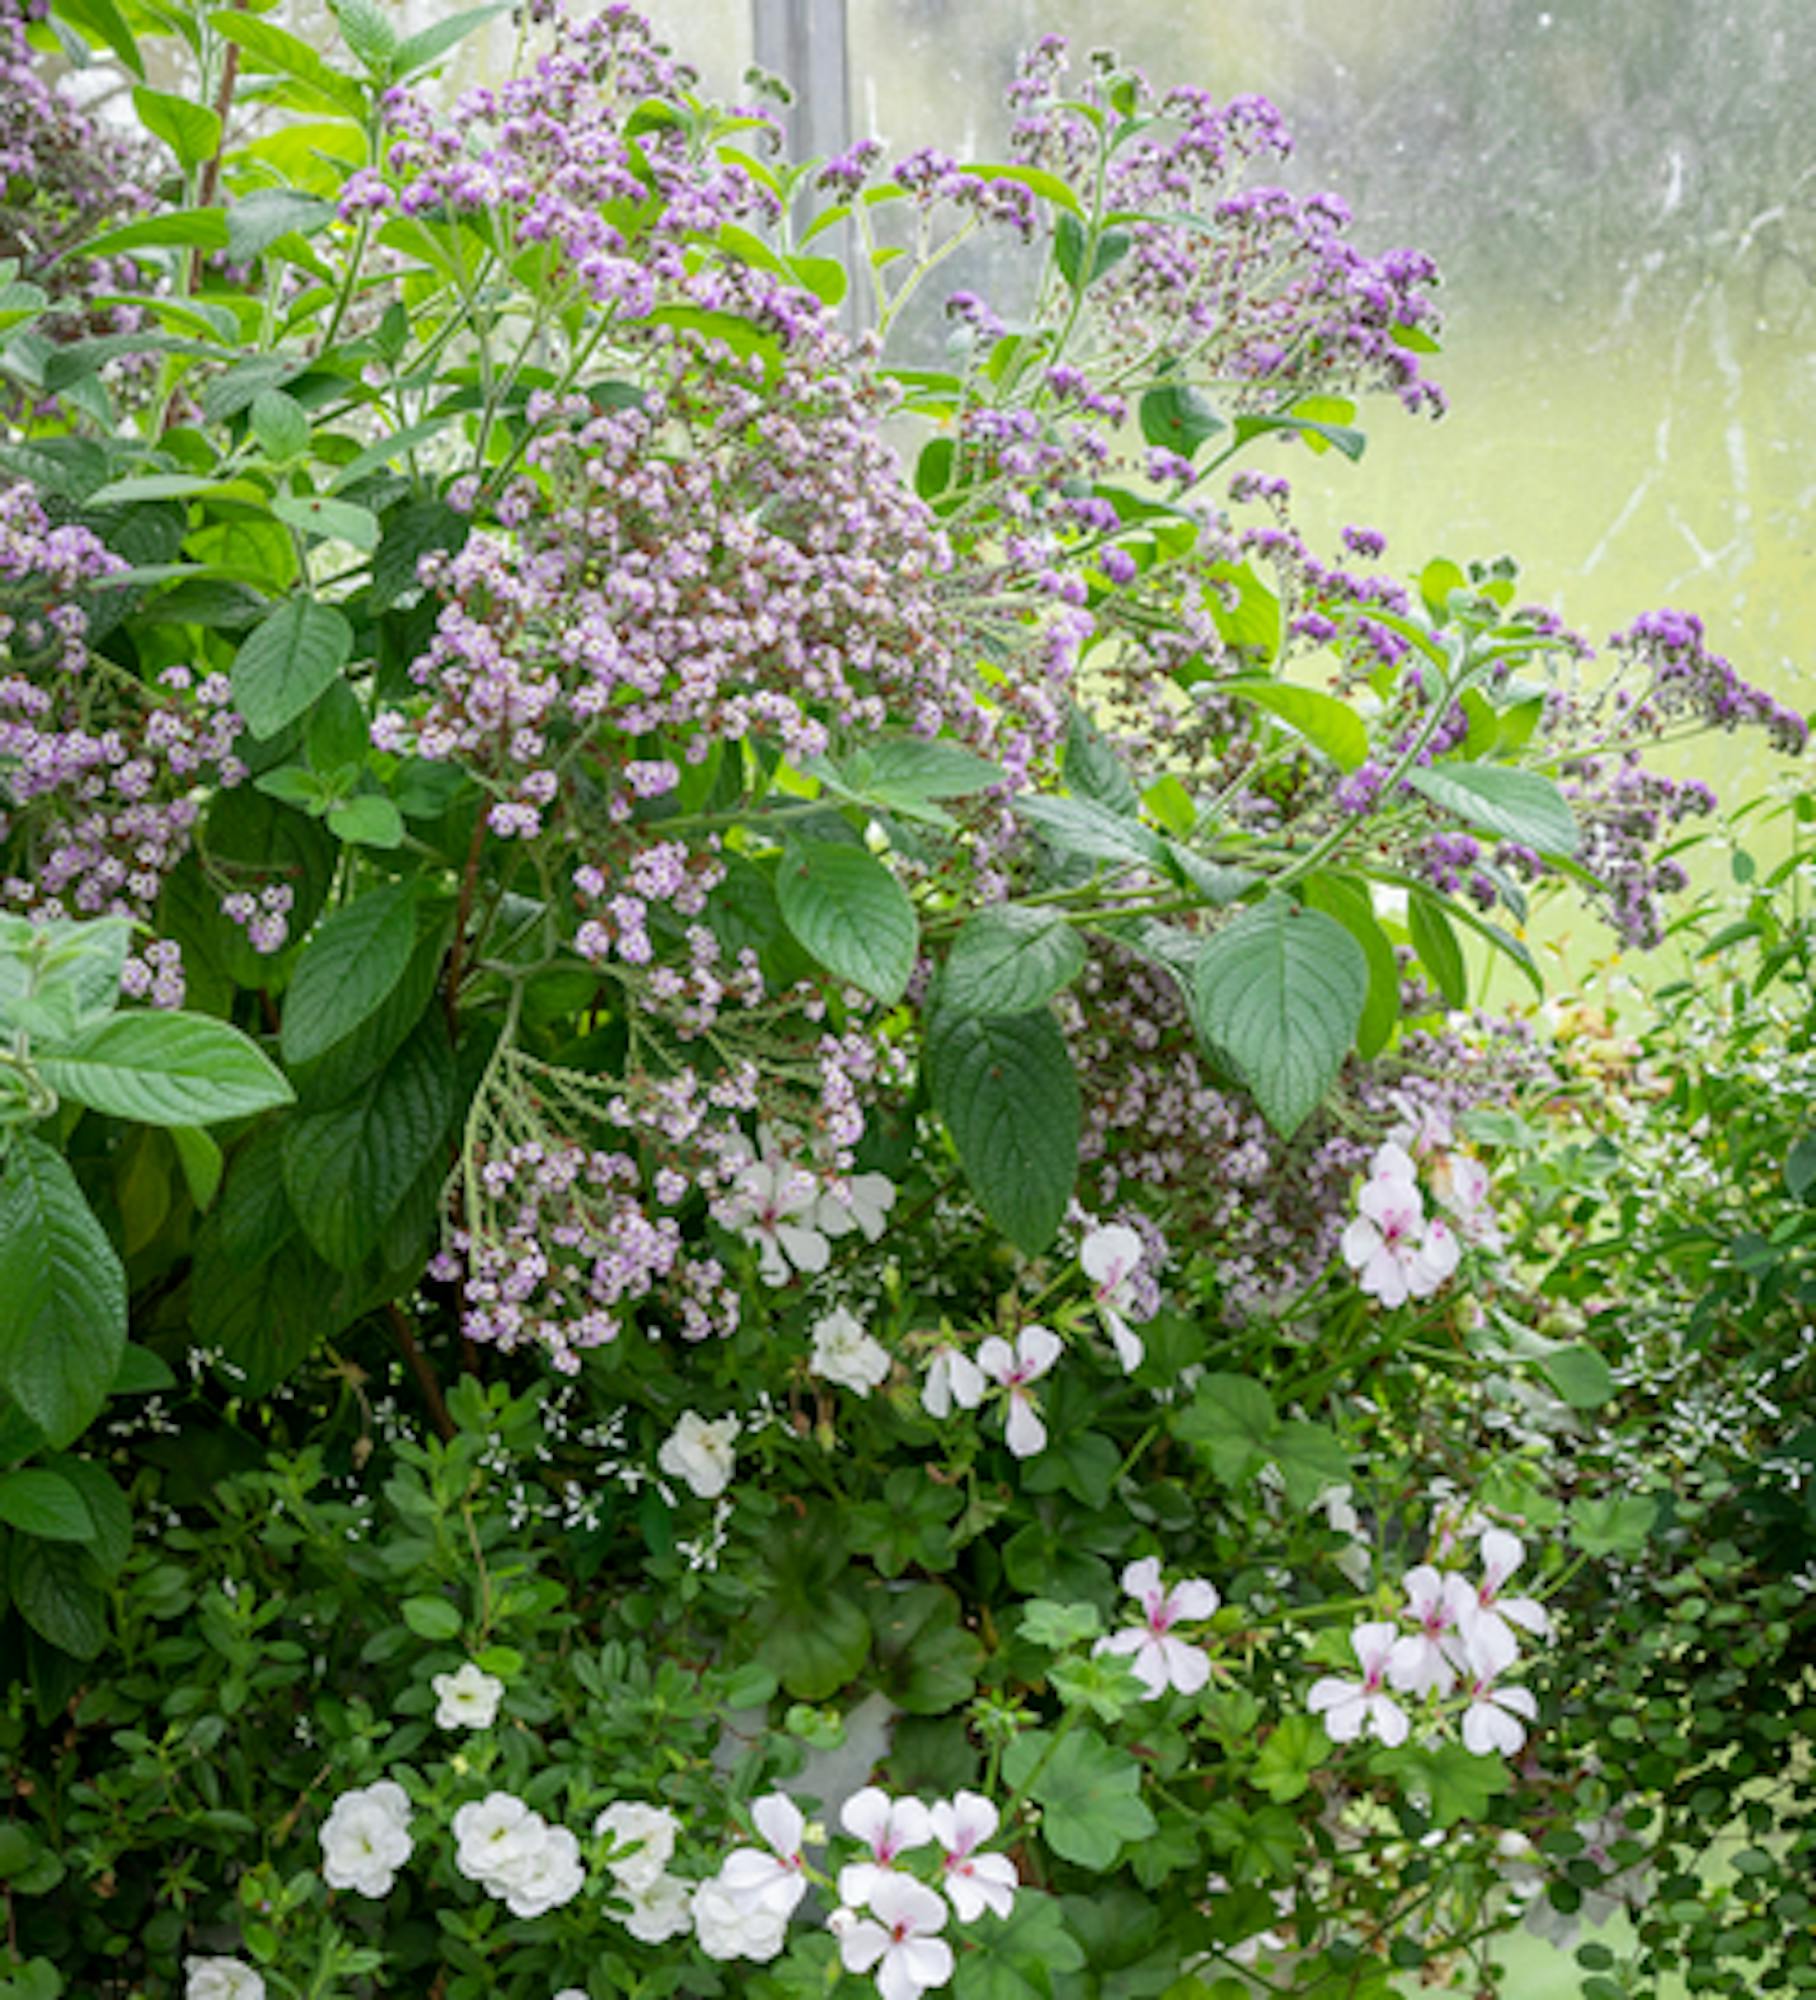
x=643, y=1838
x=1356, y=1561
x=773, y=1204
x=1014, y=1369
x=366, y=1839
x=1110, y=1257
x=1160, y=1661
x=953, y=1378
x=844, y=1353
x=221, y=1979
x=700, y=1453
x=886, y=1826
x=975, y=1882
x=1501, y=1555
x=1460, y=1182
x=1496, y=1717
x=1349, y=1707
x=1439, y=1603
x=728, y=1925
x=1396, y=1253
x=467, y=1698
x=778, y=1877
x=861, y=1202
x=899, y=1942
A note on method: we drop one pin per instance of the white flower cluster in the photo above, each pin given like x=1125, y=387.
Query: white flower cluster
x=366, y=1838
x=643, y=1842
x=955, y=1378
x=790, y=1213
x=515, y=1855
x=1461, y=1640
x=1159, y=1659
x=467, y=1698
x=221, y=1979
x=701, y=1453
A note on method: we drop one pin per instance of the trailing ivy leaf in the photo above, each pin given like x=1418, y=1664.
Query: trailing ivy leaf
x=57, y=1591
x=1325, y=722
x=1294, y=1749
x=1015, y=1957
x=1455, y=1784
x=846, y=908
x=1006, y=1090
x=1278, y=995
x=1350, y=904
x=1081, y=826
x=44, y=1503
x=1521, y=806
x=1231, y=1421
x=926, y=1662
x=286, y=661
x=166, y=1069
x=347, y=1171
x=1089, y=1794
x=807, y=1624
x=1009, y=959
x=1435, y=941
x=347, y=970
x=62, y=1294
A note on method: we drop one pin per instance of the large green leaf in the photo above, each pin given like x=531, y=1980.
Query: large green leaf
x=349, y=1061
x=1325, y=722
x=265, y=1319
x=1089, y=1793
x=1014, y=1957
x=808, y=1627
x=438, y=38
x=346, y=972
x=57, y=1591
x=1006, y=1089
x=259, y=219
x=1521, y=806
x=266, y=47
x=1351, y=905
x=286, y=661
x=1434, y=938
x=192, y=131
x=103, y=20
x=926, y=1661
x=1010, y=960
x=1081, y=826
x=1278, y=995
x=62, y=1295
x=44, y=1503
x=348, y=1170
x=1231, y=1421
x=846, y=908
x=166, y=1069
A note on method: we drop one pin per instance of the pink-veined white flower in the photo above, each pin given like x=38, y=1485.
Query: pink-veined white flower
x=1395, y=1252
x=1460, y=1182
x=1496, y=1717
x=1349, y=1707
x=1160, y=1661
x=773, y=1205
x=953, y=1378
x=776, y=1878
x=859, y=1201
x=1438, y=1602
x=1501, y=1555
x=886, y=1826
x=1110, y=1257
x=899, y=1942
x=975, y=1882
x=1015, y=1368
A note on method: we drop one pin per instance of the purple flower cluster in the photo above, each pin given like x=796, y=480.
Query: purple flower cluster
x=1684, y=680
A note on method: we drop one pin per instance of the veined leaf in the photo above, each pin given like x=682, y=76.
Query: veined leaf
x=191, y=131
x=1435, y=941
x=286, y=661
x=1522, y=806
x=165, y=1069
x=1325, y=722
x=347, y=971
x=1010, y=960
x=846, y=908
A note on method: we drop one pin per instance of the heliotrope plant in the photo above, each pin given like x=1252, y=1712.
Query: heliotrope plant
x=931, y=994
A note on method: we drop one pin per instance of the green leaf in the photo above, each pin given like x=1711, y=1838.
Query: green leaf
x=108, y=1510
x=1005, y=1087
x=265, y=1318
x=1178, y=418
x=166, y=1069
x=366, y=29
x=368, y=821
x=348, y=1170
x=1456, y=1784
x=1278, y=995
x=1615, y=1524
x=926, y=1662
x=56, y=1592
x=1014, y=1958
x=437, y=39
x=1070, y=241
x=1081, y=826
x=1310, y=1459
x=58, y=978
x=1580, y=1375
x=191, y=131
x=346, y=972
x=905, y=772
x=267, y=48
x=45, y=1504
x=331, y=520
x=280, y=424
x=846, y=908
x=412, y=531
x=1435, y=941
x=102, y=21
x=1349, y=441
x=286, y=661
x=175, y=229
x=1325, y=722
x=1058, y=1626
x=1350, y=904
x=1035, y=179
x=430, y=1617
x=805, y=1622
x=1230, y=1421
x=1105, y=1683
x=62, y=1295
x=1521, y=806
x=1800, y=1166
x=1009, y=959
x=1093, y=769
x=1089, y=1794
x=259, y=219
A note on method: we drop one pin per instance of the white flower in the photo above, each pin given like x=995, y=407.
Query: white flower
x=1439, y=1603
x=659, y=1911
x=467, y=1699
x=886, y=1826
x=778, y=1878
x=844, y=1353
x=701, y=1453
x=1162, y=1661
x=1395, y=1252
x=863, y=1202
x=899, y=1943
x=495, y=1838
x=644, y=1840
x=953, y=1378
x=1460, y=1182
x=221, y=1979
x=366, y=1839
x=1333, y=1502
x=728, y=1925
x=1110, y=1257
x=1350, y=1706
x=1502, y=1554
x=549, y=1875
x=1496, y=1716
x=1014, y=1368
x=975, y=1882
x=772, y=1204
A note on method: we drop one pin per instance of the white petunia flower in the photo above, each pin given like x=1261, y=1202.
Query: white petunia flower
x=466, y=1699
x=495, y=1840
x=899, y=1943
x=975, y=1882
x=366, y=1839
x=547, y=1877
x=953, y=1378
x=659, y=1911
x=1496, y=1717
x=728, y=1925
x=1110, y=1257
x=778, y=1877
x=1014, y=1368
x=1161, y=1661
x=1348, y=1707
x=701, y=1453
x=221, y=1979
x=844, y=1353
x=644, y=1840
x=886, y=1826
